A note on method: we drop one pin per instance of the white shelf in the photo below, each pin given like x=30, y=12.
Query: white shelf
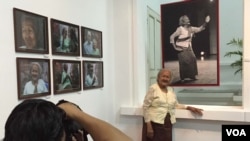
x=219, y=113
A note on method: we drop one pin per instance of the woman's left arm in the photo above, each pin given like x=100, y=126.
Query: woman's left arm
x=195, y=110
x=203, y=26
x=192, y=109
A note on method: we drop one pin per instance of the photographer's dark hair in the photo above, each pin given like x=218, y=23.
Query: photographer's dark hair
x=35, y=120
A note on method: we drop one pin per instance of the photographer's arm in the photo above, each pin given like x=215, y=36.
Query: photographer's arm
x=98, y=129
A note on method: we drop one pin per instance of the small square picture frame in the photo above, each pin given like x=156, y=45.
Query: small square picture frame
x=30, y=32
x=65, y=39
x=33, y=77
x=66, y=76
x=92, y=74
x=91, y=42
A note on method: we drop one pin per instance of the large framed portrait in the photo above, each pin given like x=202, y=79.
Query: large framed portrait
x=64, y=38
x=33, y=77
x=91, y=42
x=92, y=74
x=190, y=47
x=66, y=76
x=30, y=32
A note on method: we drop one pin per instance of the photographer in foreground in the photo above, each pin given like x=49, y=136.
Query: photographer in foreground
x=41, y=120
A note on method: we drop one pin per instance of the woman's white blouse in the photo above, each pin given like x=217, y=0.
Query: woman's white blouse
x=158, y=103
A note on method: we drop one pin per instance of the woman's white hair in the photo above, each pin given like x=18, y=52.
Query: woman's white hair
x=163, y=70
x=182, y=20
x=38, y=65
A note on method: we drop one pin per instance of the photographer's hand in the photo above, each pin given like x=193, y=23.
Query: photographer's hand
x=78, y=136
x=98, y=129
x=70, y=109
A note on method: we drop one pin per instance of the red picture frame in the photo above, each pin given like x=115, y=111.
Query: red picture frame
x=204, y=66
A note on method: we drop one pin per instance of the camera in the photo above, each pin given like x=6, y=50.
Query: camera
x=72, y=128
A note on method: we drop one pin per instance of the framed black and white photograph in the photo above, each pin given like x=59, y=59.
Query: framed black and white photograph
x=91, y=42
x=33, y=77
x=66, y=76
x=64, y=38
x=30, y=30
x=92, y=74
x=190, y=42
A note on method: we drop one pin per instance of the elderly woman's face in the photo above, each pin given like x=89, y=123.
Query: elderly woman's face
x=95, y=44
x=164, y=79
x=28, y=34
x=186, y=20
x=35, y=73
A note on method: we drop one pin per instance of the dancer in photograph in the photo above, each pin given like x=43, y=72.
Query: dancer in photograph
x=183, y=44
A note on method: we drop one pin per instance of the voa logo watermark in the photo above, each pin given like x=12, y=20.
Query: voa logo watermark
x=236, y=132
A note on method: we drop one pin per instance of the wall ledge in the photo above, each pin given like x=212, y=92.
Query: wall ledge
x=218, y=113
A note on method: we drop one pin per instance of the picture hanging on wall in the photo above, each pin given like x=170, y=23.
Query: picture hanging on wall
x=64, y=38
x=92, y=74
x=91, y=42
x=190, y=47
x=66, y=76
x=30, y=32
x=33, y=77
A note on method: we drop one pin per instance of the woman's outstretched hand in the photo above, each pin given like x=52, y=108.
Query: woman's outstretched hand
x=207, y=19
x=194, y=110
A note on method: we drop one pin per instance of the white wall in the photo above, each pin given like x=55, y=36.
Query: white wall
x=96, y=14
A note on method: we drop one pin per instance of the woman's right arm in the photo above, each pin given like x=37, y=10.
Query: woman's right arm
x=146, y=104
x=175, y=34
x=172, y=39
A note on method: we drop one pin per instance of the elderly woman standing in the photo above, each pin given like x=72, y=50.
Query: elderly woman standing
x=187, y=59
x=159, y=109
